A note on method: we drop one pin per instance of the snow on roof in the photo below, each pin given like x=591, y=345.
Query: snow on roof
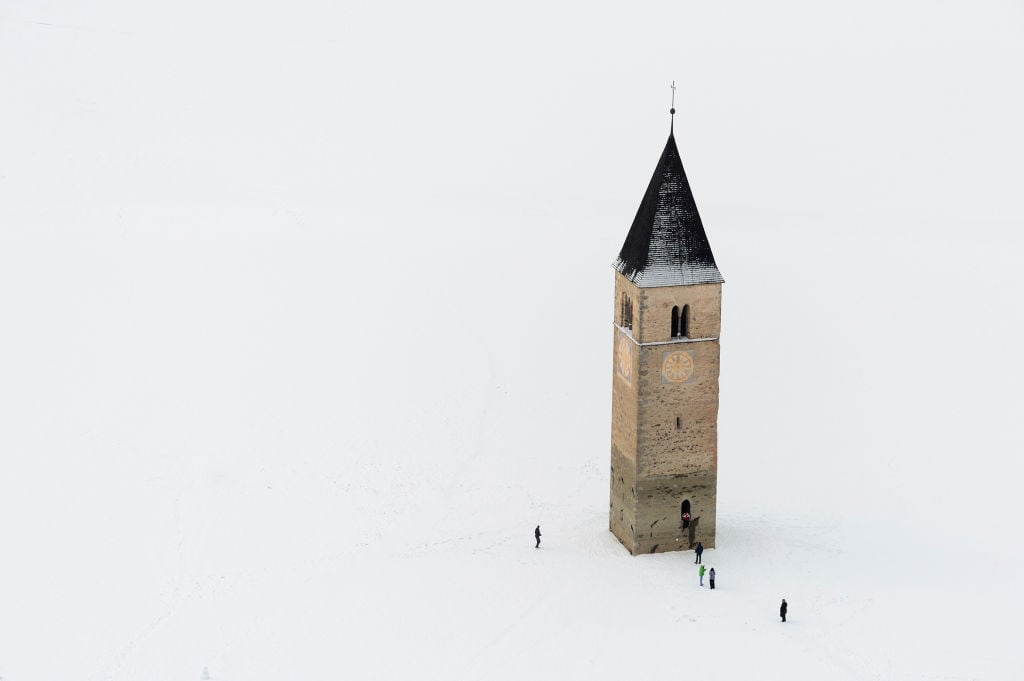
x=667, y=246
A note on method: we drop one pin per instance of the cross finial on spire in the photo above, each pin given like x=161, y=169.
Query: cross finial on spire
x=672, y=111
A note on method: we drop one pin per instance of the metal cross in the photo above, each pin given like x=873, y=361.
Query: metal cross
x=673, y=94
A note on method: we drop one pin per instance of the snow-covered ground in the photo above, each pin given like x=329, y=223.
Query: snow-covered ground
x=307, y=324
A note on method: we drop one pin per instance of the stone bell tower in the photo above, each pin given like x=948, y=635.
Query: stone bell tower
x=668, y=300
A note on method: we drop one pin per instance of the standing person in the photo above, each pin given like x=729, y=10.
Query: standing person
x=711, y=577
x=536, y=533
x=699, y=551
x=701, y=573
x=782, y=609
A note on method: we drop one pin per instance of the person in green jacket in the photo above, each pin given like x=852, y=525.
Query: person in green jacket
x=701, y=573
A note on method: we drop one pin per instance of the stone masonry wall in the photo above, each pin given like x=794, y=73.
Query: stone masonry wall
x=653, y=321
x=678, y=422
x=658, y=523
x=622, y=504
x=625, y=287
x=625, y=404
x=625, y=410
x=664, y=433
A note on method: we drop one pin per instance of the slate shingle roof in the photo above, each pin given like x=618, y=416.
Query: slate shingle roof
x=667, y=246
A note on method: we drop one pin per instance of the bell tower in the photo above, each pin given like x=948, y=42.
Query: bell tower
x=668, y=300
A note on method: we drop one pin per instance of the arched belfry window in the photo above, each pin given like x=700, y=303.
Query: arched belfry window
x=681, y=322
x=626, y=313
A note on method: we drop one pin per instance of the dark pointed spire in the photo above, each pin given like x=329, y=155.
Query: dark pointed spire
x=666, y=245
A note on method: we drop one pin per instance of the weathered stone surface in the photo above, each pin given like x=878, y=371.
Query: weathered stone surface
x=659, y=499
x=653, y=320
x=664, y=417
x=677, y=423
x=622, y=511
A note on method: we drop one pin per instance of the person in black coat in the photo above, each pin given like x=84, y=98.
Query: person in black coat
x=536, y=534
x=698, y=551
x=782, y=610
x=711, y=577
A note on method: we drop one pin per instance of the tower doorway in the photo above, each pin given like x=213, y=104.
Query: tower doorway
x=689, y=523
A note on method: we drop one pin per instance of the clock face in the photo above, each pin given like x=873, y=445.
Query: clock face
x=676, y=367
x=624, y=359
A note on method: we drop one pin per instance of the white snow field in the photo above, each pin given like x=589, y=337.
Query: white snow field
x=305, y=323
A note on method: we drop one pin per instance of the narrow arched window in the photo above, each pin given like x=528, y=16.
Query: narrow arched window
x=626, y=315
x=684, y=322
x=675, y=321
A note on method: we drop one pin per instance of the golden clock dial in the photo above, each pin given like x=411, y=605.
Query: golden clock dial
x=677, y=367
x=624, y=358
